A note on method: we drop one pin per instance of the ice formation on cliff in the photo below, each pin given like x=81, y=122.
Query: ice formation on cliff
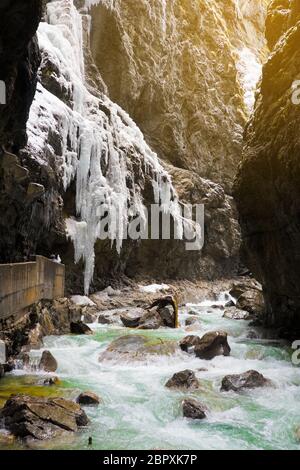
x=96, y=137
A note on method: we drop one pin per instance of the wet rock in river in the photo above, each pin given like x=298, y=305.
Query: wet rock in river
x=234, y=313
x=213, y=344
x=35, y=337
x=252, y=301
x=138, y=348
x=88, y=398
x=247, y=380
x=167, y=316
x=131, y=320
x=151, y=320
x=240, y=287
x=104, y=319
x=229, y=304
x=192, y=321
x=51, y=381
x=89, y=314
x=192, y=311
x=189, y=342
x=48, y=362
x=193, y=409
x=41, y=418
x=185, y=379
x=80, y=328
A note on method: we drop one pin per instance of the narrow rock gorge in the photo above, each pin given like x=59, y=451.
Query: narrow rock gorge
x=85, y=155
x=149, y=225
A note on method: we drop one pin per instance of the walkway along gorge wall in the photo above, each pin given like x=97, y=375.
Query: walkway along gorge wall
x=23, y=284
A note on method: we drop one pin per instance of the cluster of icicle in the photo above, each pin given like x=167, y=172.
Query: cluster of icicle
x=91, y=139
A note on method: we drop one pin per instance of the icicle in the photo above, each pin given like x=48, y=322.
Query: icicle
x=90, y=136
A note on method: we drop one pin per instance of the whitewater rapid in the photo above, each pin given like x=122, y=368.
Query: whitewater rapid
x=138, y=412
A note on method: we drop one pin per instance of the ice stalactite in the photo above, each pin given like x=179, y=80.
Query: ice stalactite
x=96, y=138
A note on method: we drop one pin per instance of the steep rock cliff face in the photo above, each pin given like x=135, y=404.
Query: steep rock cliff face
x=267, y=188
x=19, y=62
x=186, y=72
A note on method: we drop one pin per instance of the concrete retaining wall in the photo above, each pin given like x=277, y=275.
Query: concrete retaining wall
x=23, y=284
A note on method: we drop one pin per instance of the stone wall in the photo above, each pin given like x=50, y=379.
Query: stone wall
x=23, y=284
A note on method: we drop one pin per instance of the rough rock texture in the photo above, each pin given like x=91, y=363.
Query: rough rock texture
x=19, y=61
x=220, y=253
x=189, y=342
x=150, y=321
x=239, y=382
x=212, y=344
x=88, y=398
x=41, y=418
x=22, y=216
x=185, y=379
x=131, y=320
x=43, y=319
x=174, y=66
x=234, y=313
x=267, y=187
x=243, y=285
x=193, y=320
x=252, y=301
x=48, y=363
x=193, y=409
x=80, y=328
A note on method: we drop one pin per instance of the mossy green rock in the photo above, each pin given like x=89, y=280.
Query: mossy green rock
x=137, y=347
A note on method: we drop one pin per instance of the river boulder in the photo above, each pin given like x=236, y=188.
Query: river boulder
x=185, y=379
x=241, y=286
x=188, y=343
x=131, y=319
x=88, y=398
x=137, y=348
x=151, y=320
x=193, y=409
x=167, y=316
x=80, y=328
x=193, y=320
x=234, y=313
x=247, y=380
x=48, y=363
x=212, y=344
x=252, y=301
x=41, y=418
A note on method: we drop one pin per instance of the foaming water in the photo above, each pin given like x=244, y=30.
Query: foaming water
x=140, y=413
